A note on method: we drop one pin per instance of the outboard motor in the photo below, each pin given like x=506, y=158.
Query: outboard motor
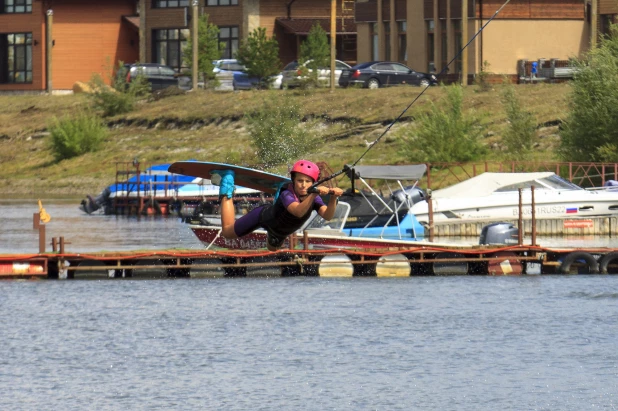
x=414, y=194
x=499, y=233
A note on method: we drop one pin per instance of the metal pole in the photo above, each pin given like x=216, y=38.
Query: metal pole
x=464, y=36
x=430, y=216
x=520, y=222
x=333, y=42
x=533, y=217
x=48, y=47
x=194, y=43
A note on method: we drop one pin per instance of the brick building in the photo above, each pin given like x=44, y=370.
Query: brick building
x=87, y=37
x=90, y=37
x=427, y=34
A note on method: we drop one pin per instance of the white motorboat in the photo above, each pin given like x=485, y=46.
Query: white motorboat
x=495, y=196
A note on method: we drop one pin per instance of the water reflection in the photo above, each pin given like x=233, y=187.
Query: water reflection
x=98, y=232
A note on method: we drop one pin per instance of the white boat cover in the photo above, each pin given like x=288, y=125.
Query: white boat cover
x=486, y=183
x=406, y=172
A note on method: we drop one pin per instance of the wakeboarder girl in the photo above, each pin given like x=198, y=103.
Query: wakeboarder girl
x=286, y=215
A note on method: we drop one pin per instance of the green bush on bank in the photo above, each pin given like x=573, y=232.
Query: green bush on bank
x=445, y=134
x=74, y=136
x=121, y=97
x=520, y=134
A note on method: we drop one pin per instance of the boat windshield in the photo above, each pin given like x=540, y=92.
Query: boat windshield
x=554, y=182
x=336, y=223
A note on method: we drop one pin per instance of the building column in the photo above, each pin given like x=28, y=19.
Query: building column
x=594, y=30
x=437, y=37
x=394, y=34
x=381, y=46
x=416, y=36
x=250, y=17
x=450, y=37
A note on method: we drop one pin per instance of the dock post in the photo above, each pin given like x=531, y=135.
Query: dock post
x=54, y=244
x=36, y=224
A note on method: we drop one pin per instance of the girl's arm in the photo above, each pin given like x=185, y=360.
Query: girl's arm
x=300, y=209
x=327, y=212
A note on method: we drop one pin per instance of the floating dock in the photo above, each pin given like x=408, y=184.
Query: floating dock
x=391, y=262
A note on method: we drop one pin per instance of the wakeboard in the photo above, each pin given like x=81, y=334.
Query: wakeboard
x=243, y=176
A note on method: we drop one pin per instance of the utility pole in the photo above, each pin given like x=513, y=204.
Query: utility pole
x=333, y=42
x=48, y=47
x=194, y=40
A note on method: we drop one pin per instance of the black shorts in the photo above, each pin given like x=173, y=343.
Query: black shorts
x=275, y=241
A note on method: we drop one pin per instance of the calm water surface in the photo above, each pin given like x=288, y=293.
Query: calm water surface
x=428, y=343
x=431, y=343
x=99, y=232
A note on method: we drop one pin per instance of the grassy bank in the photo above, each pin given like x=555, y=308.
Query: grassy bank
x=209, y=126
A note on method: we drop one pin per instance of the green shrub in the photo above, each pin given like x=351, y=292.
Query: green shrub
x=74, y=136
x=520, y=134
x=445, y=134
x=590, y=131
x=277, y=133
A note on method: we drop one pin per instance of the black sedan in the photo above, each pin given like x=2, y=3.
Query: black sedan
x=384, y=73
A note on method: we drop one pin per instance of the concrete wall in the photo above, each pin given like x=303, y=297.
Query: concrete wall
x=506, y=41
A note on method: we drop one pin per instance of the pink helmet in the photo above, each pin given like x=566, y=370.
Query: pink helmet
x=307, y=168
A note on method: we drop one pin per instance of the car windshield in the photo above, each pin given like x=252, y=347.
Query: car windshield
x=291, y=66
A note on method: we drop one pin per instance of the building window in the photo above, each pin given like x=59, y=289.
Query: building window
x=222, y=3
x=16, y=58
x=168, y=47
x=375, y=42
x=170, y=3
x=229, y=36
x=458, y=44
x=431, y=65
x=15, y=6
x=402, y=27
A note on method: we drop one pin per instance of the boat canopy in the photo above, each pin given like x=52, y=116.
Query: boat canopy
x=487, y=183
x=406, y=172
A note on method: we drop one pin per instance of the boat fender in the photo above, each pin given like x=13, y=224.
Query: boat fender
x=606, y=260
x=565, y=266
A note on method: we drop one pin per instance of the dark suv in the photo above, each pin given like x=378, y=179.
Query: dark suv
x=158, y=75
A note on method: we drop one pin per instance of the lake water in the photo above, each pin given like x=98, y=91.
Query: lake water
x=98, y=232
x=424, y=343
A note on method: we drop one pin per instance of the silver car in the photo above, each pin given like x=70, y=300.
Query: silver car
x=293, y=74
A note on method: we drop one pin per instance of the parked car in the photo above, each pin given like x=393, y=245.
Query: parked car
x=293, y=74
x=385, y=73
x=158, y=75
x=241, y=80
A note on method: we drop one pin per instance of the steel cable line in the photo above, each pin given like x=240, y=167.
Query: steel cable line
x=347, y=167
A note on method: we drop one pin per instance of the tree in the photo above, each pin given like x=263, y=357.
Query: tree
x=260, y=55
x=209, y=48
x=445, y=135
x=316, y=52
x=521, y=131
x=590, y=132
